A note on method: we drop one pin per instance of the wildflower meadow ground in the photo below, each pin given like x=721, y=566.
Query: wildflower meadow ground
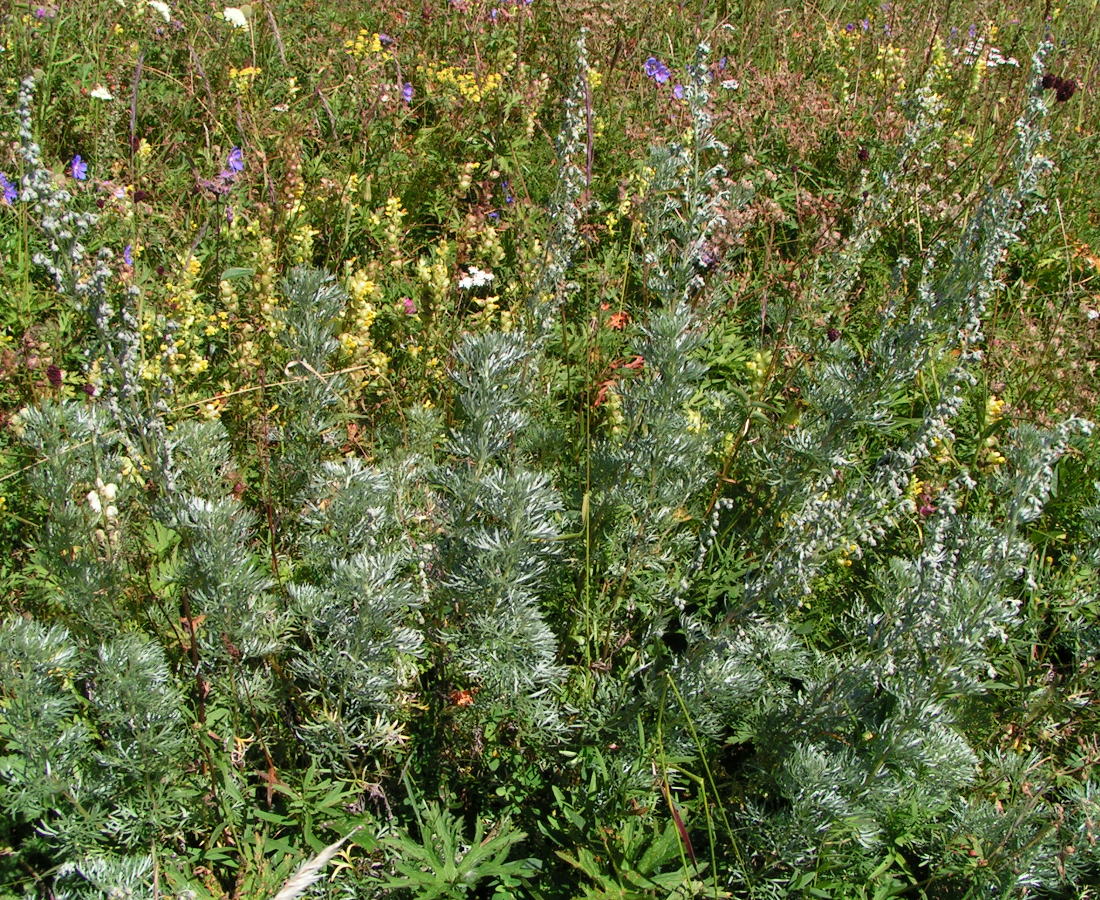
x=530, y=448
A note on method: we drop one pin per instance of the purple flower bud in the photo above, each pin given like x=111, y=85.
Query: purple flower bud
x=54, y=375
x=128, y=255
x=678, y=91
x=407, y=92
x=408, y=305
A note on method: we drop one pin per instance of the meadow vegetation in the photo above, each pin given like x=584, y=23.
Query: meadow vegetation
x=545, y=449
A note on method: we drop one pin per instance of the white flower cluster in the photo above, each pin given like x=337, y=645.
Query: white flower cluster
x=475, y=278
x=236, y=17
x=995, y=58
x=160, y=8
x=977, y=49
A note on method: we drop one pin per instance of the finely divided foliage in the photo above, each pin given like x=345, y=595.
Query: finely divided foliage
x=697, y=638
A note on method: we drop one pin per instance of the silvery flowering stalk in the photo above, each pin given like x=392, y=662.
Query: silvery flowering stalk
x=683, y=209
x=944, y=323
x=63, y=227
x=834, y=281
x=87, y=281
x=567, y=207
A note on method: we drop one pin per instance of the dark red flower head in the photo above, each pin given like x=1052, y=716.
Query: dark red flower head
x=1065, y=90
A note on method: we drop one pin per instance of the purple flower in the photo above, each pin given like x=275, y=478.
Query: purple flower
x=235, y=160
x=128, y=255
x=657, y=70
x=678, y=91
x=850, y=27
x=407, y=92
x=384, y=39
x=10, y=192
x=408, y=305
x=78, y=168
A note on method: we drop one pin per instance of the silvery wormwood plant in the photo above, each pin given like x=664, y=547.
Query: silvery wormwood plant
x=850, y=739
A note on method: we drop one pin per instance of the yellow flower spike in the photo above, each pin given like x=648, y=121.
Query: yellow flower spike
x=994, y=409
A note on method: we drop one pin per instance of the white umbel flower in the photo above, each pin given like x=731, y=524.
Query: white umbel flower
x=235, y=17
x=160, y=8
